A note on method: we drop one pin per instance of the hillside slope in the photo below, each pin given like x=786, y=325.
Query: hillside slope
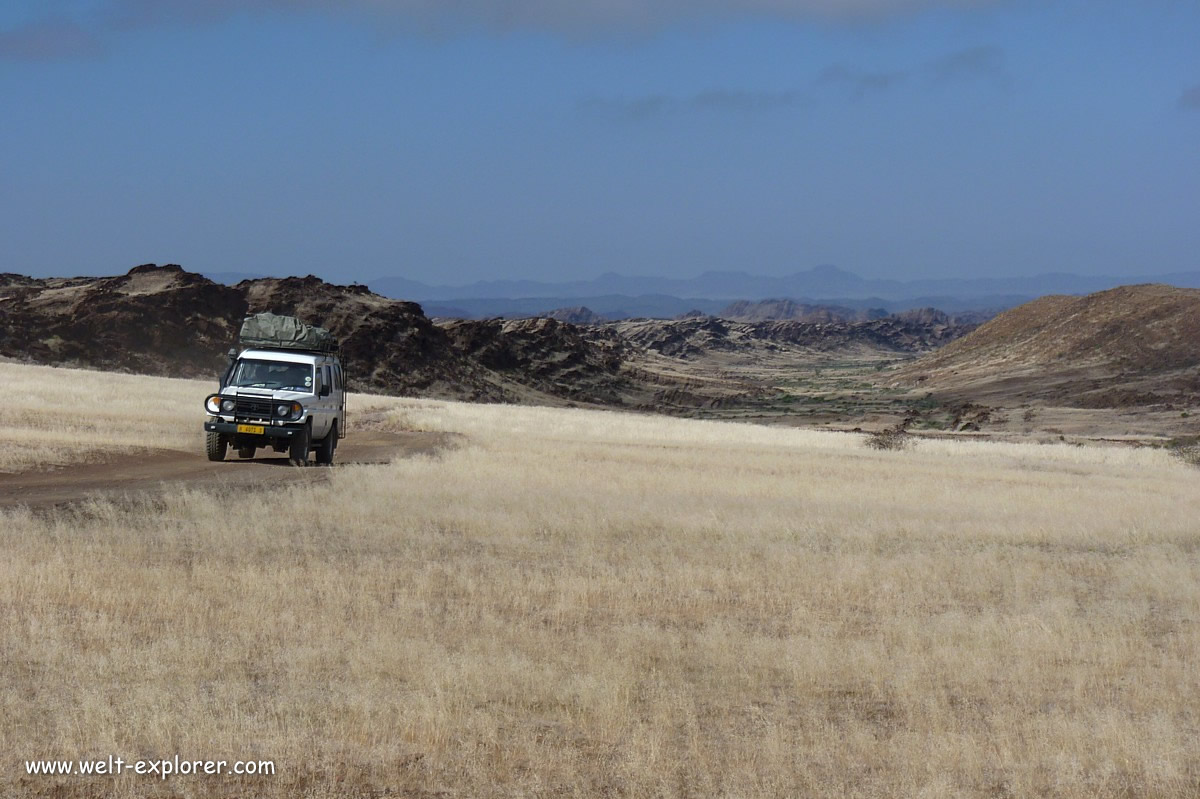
x=152, y=320
x=164, y=320
x=695, y=336
x=789, y=310
x=1128, y=346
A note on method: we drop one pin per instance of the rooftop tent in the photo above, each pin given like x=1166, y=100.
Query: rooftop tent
x=269, y=331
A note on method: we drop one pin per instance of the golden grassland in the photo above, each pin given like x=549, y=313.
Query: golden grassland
x=53, y=417
x=587, y=603
x=58, y=416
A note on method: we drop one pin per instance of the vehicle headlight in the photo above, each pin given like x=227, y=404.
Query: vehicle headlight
x=212, y=404
x=289, y=412
x=227, y=405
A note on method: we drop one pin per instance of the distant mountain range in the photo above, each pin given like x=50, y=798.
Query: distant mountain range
x=821, y=283
x=618, y=296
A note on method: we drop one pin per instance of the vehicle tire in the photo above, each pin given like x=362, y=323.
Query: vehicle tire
x=214, y=446
x=327, y=446
x=298, y=454
x=246, y=452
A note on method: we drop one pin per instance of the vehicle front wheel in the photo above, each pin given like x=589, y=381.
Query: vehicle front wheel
x=298, y=454
x=214, y=446
x=327, y=446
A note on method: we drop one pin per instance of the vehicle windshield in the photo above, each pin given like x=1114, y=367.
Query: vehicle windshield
x=276, y=375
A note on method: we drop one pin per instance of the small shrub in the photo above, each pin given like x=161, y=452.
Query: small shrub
x=892, y=438
x=1186, y=448
x=926, y=403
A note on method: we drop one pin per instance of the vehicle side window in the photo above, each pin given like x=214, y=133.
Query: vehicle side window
x=337, y=377
x=328, y=378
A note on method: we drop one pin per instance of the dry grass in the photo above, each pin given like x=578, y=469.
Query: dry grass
x=53, y=417
x=585, y=603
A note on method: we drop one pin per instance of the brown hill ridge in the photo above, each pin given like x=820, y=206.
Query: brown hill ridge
x=696, y=336
x=166, y=321
x=578, y=315
x=1128, y=346
x=789, y=310
x=156, y=320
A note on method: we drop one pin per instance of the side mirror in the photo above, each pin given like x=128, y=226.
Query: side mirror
x=325, y=391
x=232, y=354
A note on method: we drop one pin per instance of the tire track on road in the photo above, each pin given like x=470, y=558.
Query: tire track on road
x=165, y=470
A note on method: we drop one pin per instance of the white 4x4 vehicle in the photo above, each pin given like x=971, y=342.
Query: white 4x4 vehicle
x=285, y=397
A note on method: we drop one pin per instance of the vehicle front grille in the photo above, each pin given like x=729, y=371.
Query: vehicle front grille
x=253, y=407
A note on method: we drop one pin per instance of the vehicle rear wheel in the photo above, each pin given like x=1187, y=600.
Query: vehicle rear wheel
x=327, y=446
x=246, y=451
x=214, y=446
x=298, y=454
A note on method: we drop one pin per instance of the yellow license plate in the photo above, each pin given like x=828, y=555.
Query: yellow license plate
x=253, y=429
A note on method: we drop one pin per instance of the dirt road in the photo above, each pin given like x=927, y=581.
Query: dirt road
x=164, y=470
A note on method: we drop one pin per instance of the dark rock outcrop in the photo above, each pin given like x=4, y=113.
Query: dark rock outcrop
x=686, y=338
x=157, y=320
x=790, y=310
x=166, y=321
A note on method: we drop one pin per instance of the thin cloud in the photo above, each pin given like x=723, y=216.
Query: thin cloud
x=635, y=109
x=1190, y=100
x=571, y=16
x=725, y=100
x=854, y=83
x=975, y=62
x=84, y=33
x=858, y=83
x=49, y=40
x=713, y=100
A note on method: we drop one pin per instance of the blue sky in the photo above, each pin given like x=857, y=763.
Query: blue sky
x=544, y=140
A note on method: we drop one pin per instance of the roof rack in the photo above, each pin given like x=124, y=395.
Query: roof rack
x=271, y=332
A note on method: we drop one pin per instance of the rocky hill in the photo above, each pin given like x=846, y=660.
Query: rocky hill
x=579, y=315
x=166, y=321
x=696, y=336
x=155, y=320
x=387, y=345
x=558, y=358
x=790, y=310
x=1128, y=346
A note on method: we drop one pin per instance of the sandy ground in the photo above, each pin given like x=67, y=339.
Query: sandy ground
x=167, y=470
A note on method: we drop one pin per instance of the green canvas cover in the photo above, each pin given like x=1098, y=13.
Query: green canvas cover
x=284, y=332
